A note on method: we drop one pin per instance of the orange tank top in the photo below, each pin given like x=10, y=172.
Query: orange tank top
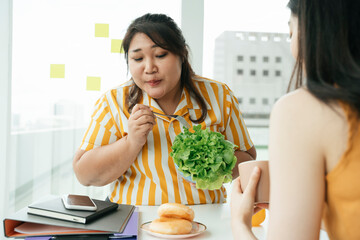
x=342, y=208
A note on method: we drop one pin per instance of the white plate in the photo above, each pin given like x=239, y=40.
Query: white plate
x=197, y=228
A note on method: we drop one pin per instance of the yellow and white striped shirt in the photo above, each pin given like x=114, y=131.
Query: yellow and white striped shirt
x=152, y=179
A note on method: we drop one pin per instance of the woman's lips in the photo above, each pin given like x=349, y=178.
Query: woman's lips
x=154, y=82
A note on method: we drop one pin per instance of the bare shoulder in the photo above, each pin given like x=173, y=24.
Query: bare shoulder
x=302, y=106
x=296, y=104
x=311, y=123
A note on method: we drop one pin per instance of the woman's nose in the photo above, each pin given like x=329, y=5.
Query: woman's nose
x=150, y=67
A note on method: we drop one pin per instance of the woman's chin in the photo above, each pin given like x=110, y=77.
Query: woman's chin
x=156, y=94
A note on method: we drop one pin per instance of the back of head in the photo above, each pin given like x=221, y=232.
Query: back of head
x=329, y=48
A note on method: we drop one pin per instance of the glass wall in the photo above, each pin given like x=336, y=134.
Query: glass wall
x=246, y=46
x=65, y=54
x=5, y=85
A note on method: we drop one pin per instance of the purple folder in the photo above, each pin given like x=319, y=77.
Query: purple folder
x=131, y=227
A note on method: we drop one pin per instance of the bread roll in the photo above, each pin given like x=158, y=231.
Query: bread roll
x=171, y=226
x=176, y=210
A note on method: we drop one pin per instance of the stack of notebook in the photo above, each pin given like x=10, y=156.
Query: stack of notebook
x=51, y=218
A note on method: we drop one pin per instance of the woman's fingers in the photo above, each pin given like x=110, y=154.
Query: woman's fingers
x=253, y=181
x=141, y=122
x=256, y=209
x=142, y=114
x=138, y=107
x=262, y=205
x=242, y=204
x=237, y=185
x=144, y=119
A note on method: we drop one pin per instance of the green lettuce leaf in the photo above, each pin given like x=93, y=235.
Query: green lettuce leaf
x=205, y=156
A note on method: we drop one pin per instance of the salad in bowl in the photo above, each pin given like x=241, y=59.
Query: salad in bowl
x=204, y=157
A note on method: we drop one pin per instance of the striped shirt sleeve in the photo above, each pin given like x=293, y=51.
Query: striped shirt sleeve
x=236, y=130
x=102, y=129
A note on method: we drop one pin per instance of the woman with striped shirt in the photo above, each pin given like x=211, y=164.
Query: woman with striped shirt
x=128, y=146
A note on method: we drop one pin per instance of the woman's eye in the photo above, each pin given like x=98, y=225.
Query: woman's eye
x=137, y=59
x=162, y=55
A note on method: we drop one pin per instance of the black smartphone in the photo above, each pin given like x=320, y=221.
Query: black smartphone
x=78, y=202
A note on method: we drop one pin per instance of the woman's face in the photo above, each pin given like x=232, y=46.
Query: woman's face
x=154, y=70
x=293, y=27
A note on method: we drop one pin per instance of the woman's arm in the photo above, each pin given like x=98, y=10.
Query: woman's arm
x=297, y=172
x=297, y=167
x=242, y=207
x=102, y=165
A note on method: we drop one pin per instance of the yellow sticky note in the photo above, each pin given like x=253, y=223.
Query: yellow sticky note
x=116, y=45
x=93, y=83
x=57, y=70
x=101, y=30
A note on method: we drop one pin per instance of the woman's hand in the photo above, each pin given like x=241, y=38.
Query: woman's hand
x=141, y=122
x=242, y=206
x=191, y=183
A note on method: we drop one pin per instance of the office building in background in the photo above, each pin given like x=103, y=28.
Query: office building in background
x=256, y=66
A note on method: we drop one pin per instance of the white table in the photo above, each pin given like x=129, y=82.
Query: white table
x=216, y=217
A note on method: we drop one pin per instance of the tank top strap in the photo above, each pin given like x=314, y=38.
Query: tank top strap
x=353, y=120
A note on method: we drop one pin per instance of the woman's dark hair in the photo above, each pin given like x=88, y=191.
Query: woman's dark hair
x=164, y=32
x=329, y=49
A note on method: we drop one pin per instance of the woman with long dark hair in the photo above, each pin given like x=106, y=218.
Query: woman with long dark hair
x=314, y=131
x=128, y=146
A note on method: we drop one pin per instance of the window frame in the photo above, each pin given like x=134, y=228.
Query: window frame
x=5, y=103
